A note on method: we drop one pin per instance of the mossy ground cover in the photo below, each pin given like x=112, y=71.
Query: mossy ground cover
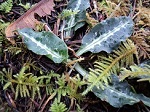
x=33, y=83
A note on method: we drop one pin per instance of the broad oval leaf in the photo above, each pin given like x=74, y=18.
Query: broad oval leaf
x=107, y=35
x=118, y=94
x=45, y=43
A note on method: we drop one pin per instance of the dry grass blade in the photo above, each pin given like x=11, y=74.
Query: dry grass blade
x=42, y=8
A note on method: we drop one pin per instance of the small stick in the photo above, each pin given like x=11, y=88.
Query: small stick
x=62, y=30
x=50, y=97
x=95, y=7
x=73, y=52
x=117, y=7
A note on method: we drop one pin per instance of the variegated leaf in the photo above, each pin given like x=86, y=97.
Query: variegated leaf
x=107, y=35
x=76, y=21
x=45, y=43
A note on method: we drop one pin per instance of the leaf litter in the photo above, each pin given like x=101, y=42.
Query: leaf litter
x=42, y=8
x=98, y=11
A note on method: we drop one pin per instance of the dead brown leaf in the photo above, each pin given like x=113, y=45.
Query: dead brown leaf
x=42, y=8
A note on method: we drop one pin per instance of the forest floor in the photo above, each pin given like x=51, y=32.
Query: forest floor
x=32, y=82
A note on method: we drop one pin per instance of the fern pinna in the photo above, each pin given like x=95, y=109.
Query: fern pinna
x=6, y=6
x=136, y=71
x=100, y=76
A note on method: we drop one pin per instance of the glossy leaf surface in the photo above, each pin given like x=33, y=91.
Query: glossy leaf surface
x=76, y=21
x=118, y=94
x=45, y=43
x=107, y=35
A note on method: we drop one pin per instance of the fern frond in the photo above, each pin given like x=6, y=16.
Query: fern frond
x=46, y=79
x=14, y=50
x=100, y=76
x=6, y=6
x=58, y=106
x=5, y=73
x=62, y=90
x=26, y=84
x=67, y=13
x=136, y=71
x=3, y=25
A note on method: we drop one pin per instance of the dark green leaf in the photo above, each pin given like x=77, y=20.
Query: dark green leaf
x=76, y=21
x=107, y=35
x=78, y=5
x=45, y=43
x=119, y=94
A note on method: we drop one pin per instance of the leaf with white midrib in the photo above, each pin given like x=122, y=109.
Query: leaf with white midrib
x=45, y=43
x=107, y=35
x=43, y=47
x=75, y=5
x=72, y=18
x=118, y=94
